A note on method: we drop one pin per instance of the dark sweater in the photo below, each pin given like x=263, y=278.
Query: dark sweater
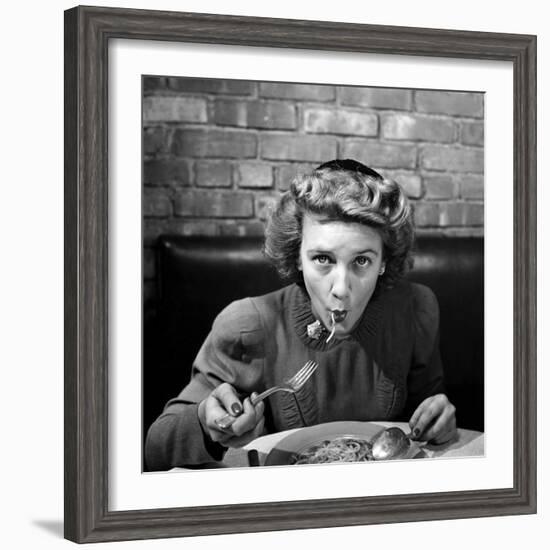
x=382, y=371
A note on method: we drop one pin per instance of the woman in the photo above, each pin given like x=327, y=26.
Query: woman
x=342, y=236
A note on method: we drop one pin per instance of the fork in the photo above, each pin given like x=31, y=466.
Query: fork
x=291, y=385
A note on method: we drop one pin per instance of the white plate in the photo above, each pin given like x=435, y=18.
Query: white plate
x=284, y=451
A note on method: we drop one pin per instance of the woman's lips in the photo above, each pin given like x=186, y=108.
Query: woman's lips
x=338, y=315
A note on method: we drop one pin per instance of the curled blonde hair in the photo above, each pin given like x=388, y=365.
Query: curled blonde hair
x=342, y=190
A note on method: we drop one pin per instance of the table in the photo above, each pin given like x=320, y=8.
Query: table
x=469, y=443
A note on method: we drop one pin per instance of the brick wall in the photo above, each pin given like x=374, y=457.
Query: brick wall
x=217, y=153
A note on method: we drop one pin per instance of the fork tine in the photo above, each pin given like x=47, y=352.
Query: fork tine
x=305, y=377
x=298, y=374
x=305, y=373
x=310, y=367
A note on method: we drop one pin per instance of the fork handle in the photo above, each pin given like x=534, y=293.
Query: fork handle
x=227, y=420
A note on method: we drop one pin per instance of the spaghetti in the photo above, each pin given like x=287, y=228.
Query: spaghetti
x=340, y=449
x=333, y=329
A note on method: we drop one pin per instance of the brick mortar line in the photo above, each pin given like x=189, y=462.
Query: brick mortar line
x=330, y=106
x=277, y=164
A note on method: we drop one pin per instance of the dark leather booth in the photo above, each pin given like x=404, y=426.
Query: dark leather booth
x=198, y=276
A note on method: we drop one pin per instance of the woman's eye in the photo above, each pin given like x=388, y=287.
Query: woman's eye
x=362, y=261
x=322, y=259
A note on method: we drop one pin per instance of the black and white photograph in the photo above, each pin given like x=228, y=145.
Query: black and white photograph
x=313, y=273
x=299, y=275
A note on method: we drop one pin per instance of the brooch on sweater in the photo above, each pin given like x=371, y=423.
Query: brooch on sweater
x=316, y=330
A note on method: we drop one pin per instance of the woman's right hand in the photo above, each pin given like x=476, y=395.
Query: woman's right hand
x=249, y=422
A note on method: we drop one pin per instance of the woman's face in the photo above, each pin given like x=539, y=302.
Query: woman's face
x=340, y=262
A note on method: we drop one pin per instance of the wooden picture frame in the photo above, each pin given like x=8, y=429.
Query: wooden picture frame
x=87, y=34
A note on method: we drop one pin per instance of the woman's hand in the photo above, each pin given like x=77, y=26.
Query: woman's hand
x=434, y=420
x=249, y=423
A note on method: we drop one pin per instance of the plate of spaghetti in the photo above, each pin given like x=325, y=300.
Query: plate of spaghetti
x=333, y=442
x=340, y=449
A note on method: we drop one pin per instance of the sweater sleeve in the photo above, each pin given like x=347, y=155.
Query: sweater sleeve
x=233, y=352
x=425, y=377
